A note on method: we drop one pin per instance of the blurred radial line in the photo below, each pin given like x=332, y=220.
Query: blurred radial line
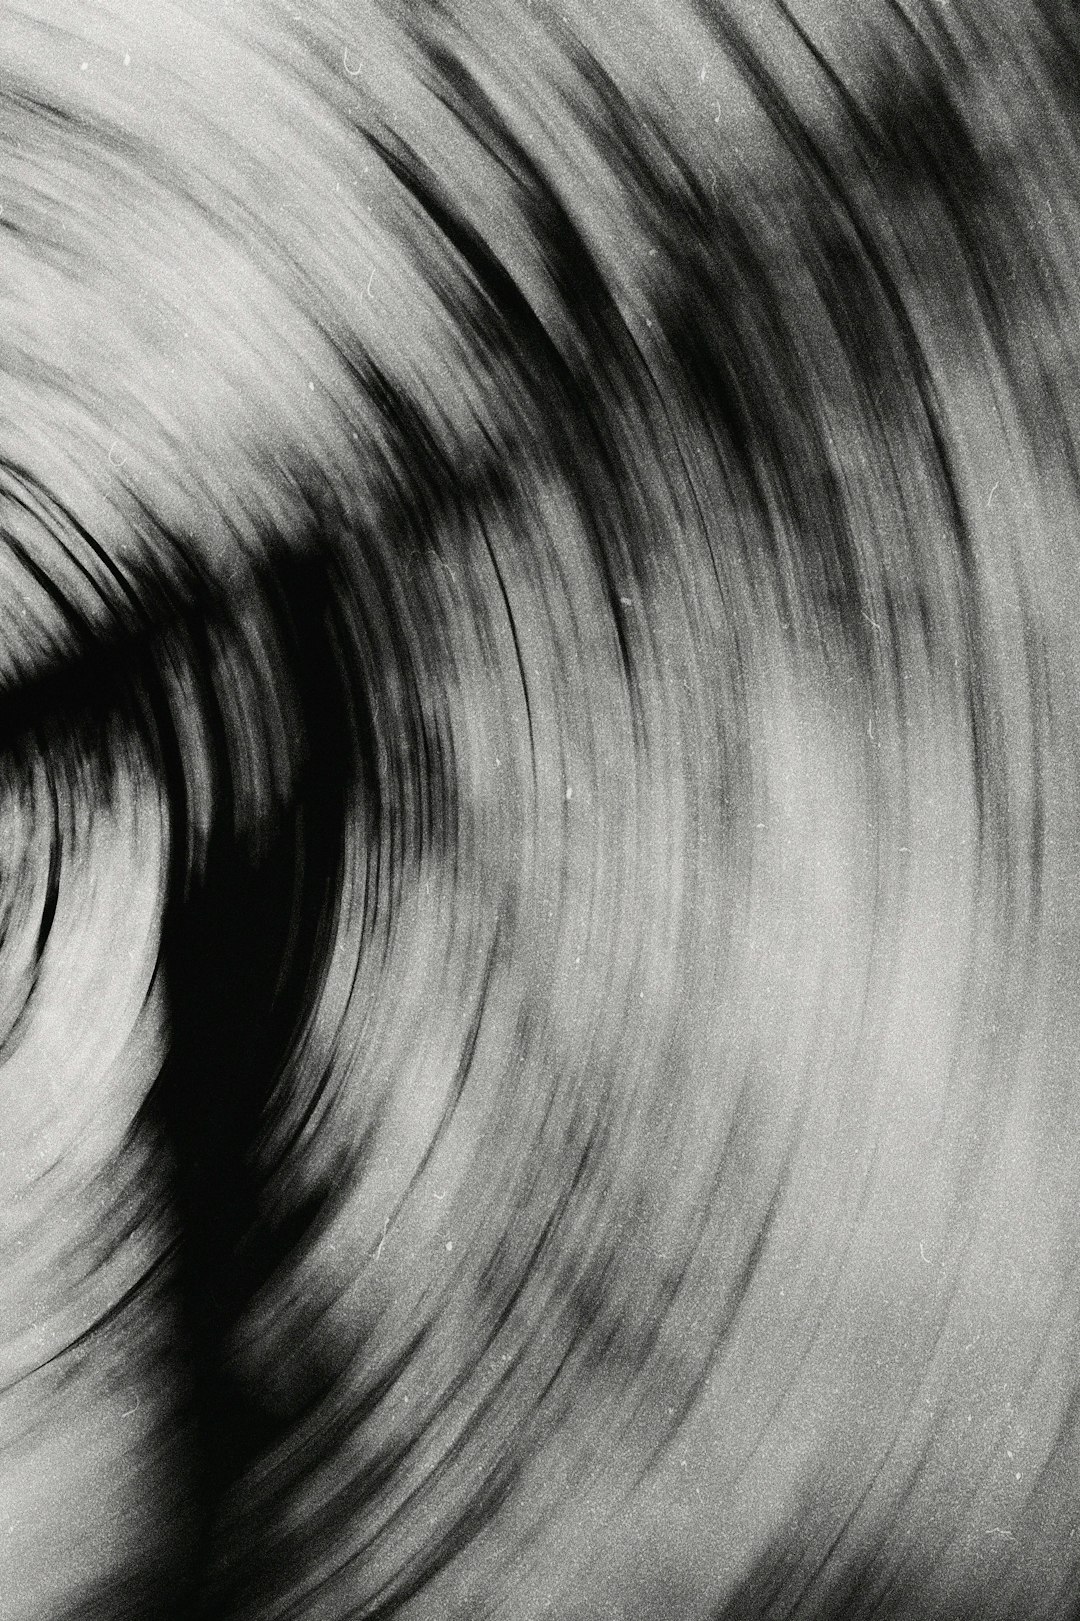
x=519, y=318
x=52, y=887
x=517, y=645
x=70, y=523
x=464, y=1064
x=102, y=1321
x=427, y=1561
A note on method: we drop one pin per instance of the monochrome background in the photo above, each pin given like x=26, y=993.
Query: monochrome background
x=539, y=738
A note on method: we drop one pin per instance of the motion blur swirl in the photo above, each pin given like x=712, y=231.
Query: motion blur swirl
x=538, y=758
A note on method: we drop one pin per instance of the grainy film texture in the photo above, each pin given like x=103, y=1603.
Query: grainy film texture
x=539, y=810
